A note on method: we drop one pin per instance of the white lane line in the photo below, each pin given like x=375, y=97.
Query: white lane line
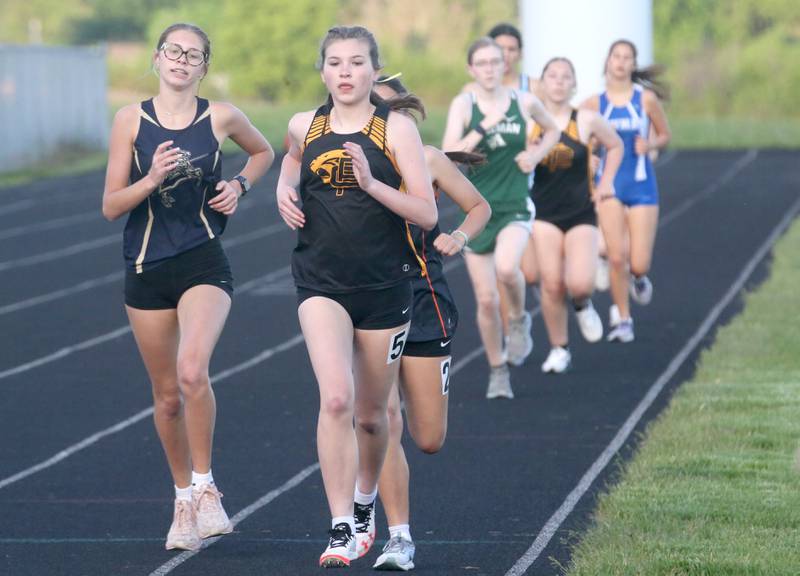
x=572, y=499
x=117, y=332
x=243, y=514
x=118, y=427
x=63, y=293
x=53, y=224
x=18, y=206
x=65, y=351
x=114, y=276
x=718, y=183
x=51, y=255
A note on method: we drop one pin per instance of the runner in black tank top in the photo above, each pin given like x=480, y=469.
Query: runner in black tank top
x=562, y=190
x=164, y=171
x=565, y=229
x=425, y=366
x=351, y=242
x=360, y=174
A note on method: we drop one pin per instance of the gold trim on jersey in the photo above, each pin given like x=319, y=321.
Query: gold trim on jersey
x=147, y=117
x=146, y=238
x=216, y=159
x=319, y=127
x=136, y=160
x=205, y=114
x=202, y=214
x=376, y=130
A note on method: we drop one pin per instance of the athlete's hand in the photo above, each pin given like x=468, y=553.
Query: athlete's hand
x=226, y=199
x=602, y=192
x=287, y=207
x=526, y=160
x=360, y=166
x=449, y=245
x=642, y=146
x=164, y=160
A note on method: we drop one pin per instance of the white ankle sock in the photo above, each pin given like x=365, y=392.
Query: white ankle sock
x=183, y=493
x=403, y=530
x=360, y=498
x=198, y=479
x=347, y=520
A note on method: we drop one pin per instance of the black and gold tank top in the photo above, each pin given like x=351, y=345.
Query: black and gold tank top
x=562, y=184
x=350, y=241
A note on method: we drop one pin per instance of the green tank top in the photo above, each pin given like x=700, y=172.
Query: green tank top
x=500, y=180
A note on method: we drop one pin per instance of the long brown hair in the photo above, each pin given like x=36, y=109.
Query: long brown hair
x=403, y=101
x=647, y=77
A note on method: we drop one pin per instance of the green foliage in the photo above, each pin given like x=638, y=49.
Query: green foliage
x=269, y=47
x=723, y=57
x=56, y=18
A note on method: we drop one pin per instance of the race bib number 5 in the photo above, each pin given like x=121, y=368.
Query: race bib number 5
x=396, y=344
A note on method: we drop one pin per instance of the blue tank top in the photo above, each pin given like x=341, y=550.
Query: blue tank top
x=175, y=217
x=630, y=121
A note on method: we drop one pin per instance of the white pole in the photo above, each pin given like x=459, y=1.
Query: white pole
x=582, y=30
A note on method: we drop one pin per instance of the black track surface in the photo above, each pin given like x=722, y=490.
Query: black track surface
x=477, y=506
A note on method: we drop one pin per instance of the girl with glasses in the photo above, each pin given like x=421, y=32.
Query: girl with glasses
x=164, y=172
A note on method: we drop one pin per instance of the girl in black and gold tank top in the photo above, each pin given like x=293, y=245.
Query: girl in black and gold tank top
x=566, y=225
x=164, y=170
x=359, y=172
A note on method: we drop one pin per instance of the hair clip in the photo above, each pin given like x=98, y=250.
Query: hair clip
x=389, y=78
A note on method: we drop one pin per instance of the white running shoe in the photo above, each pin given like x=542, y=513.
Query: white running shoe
x=622, y=332
x=341, y=548
x=499, y=383
x=364, y=516
x=183, y=534
x=589, y=322
x=641, y=290
x=211, y=517
x=398, y=554
x=519, y=343
x=601, y=278
x=558, y=361
x=613, y=316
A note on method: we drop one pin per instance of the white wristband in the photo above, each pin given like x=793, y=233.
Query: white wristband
x=464, y=234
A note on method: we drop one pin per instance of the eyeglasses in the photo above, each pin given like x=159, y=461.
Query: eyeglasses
x=194, y=56
x=488, y=63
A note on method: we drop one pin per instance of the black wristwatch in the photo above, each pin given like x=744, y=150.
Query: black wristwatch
x=244, y=183
x=480, y=130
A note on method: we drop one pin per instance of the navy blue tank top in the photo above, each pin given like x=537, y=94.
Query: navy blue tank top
x=435, y=315
x=350, y=241
x=175, y=217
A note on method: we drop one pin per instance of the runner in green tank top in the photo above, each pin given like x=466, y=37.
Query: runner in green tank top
x=495, y=120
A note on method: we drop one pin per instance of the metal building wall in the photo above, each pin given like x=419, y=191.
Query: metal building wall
x=50, y=97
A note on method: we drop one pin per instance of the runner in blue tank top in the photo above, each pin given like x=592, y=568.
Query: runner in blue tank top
x=359, y=170
x=629, y=220
x=164, y=169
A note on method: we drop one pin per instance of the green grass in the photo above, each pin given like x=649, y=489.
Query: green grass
x=689, y=132
x=714, y=489
x=69, y=160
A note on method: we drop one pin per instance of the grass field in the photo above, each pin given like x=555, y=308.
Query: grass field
x=272, y=120
x=715, y=487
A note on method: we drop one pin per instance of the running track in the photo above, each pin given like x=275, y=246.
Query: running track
x=84, y=488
